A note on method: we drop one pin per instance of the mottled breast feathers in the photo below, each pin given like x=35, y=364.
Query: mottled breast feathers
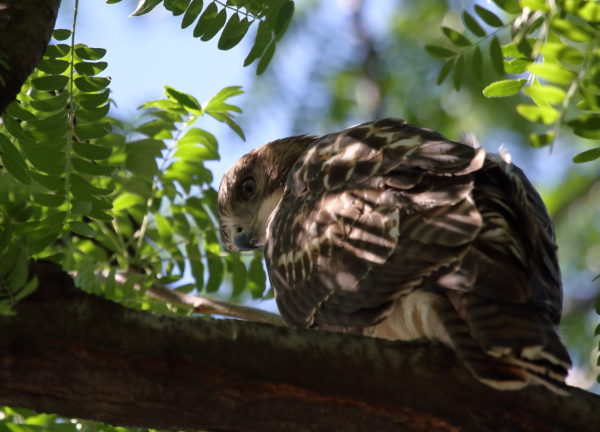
x=392, y=230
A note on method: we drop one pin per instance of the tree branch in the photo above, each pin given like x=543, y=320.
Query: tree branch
x=79, y=355
x=25, y=29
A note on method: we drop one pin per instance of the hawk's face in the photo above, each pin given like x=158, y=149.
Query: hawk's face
x=251, y=189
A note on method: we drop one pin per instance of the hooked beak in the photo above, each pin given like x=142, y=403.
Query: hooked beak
x=246, y=242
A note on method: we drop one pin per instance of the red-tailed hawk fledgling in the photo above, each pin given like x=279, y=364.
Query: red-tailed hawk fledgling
x=391, y=230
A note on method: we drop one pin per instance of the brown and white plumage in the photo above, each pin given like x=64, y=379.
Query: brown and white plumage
x=391, y=230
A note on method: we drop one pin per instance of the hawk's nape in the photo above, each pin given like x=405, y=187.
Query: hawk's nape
x=391, y=230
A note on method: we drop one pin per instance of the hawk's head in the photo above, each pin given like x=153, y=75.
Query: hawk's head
x=251, y=189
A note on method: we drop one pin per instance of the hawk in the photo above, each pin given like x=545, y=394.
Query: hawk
x=391, y=230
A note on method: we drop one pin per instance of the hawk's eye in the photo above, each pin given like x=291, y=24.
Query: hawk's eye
x=248, y=188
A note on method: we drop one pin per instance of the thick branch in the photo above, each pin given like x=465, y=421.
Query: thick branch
x=78, y=355
x=25, y=29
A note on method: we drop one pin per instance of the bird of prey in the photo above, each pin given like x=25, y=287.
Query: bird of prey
x=391, y=230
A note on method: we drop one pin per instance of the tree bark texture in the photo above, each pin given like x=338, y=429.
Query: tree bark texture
x=25, y=29
x=78, y=355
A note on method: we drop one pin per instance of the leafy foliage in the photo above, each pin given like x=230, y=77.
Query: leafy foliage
x=233, y=19
x=121, y=207
x=551, y=53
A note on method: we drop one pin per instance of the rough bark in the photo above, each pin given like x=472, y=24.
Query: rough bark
x=79, y=355
x=25, y=29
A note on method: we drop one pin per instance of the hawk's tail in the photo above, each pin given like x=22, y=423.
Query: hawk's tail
x=508, y=357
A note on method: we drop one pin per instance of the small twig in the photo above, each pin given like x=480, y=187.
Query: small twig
x=213, y=307
x=204, y=305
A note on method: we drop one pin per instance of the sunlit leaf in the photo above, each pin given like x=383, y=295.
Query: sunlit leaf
x=571, y=30
x=545, y=94
x=503, y=88
x=552, y=72
x=145, y=6
x=538, y=114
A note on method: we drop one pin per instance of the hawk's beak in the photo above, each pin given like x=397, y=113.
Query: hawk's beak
x=246, y=242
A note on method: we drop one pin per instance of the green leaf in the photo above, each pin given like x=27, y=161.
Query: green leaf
x=256, y=277
x=48, y=200
x=86, y=167
x=586, y=126
x=51, y=104
x=552, y=72
x=233, y=33
x=92, y=115
x=213, y=26
x=266, y=58
x=192, y=13
x=82, y=229
x=208, y=142
x=215, y=272
x=145, y=6
x=444, y=71
x=91, y=84
x=496, y=55
x=82, y=188
x=439, y=51
x=61, y=34
x=561, y=52
x=545, y=94
x=488, y=17
x=50, y=82
x=57, y=50
x=545, y=115
x=516, y=66
x=540, y=140
x=472, y=24
x=188, y=101
x=503, y=88
x=477, y=63
x=13, y=161
x=238, y=275
x=86, y=131
x=90, y=68
x=17, y=110
x=589, y=10
x=92, y=100
x=50, y=182
x=458, y=72
x=177, y=7
x=88, y=53
x=571, y=30
x=510, y=6
x=53, y=66
x=587, y=156
x=283, y=18
x=455, y=37
x=91, y=151
x=209, y=15
x=263, y=37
